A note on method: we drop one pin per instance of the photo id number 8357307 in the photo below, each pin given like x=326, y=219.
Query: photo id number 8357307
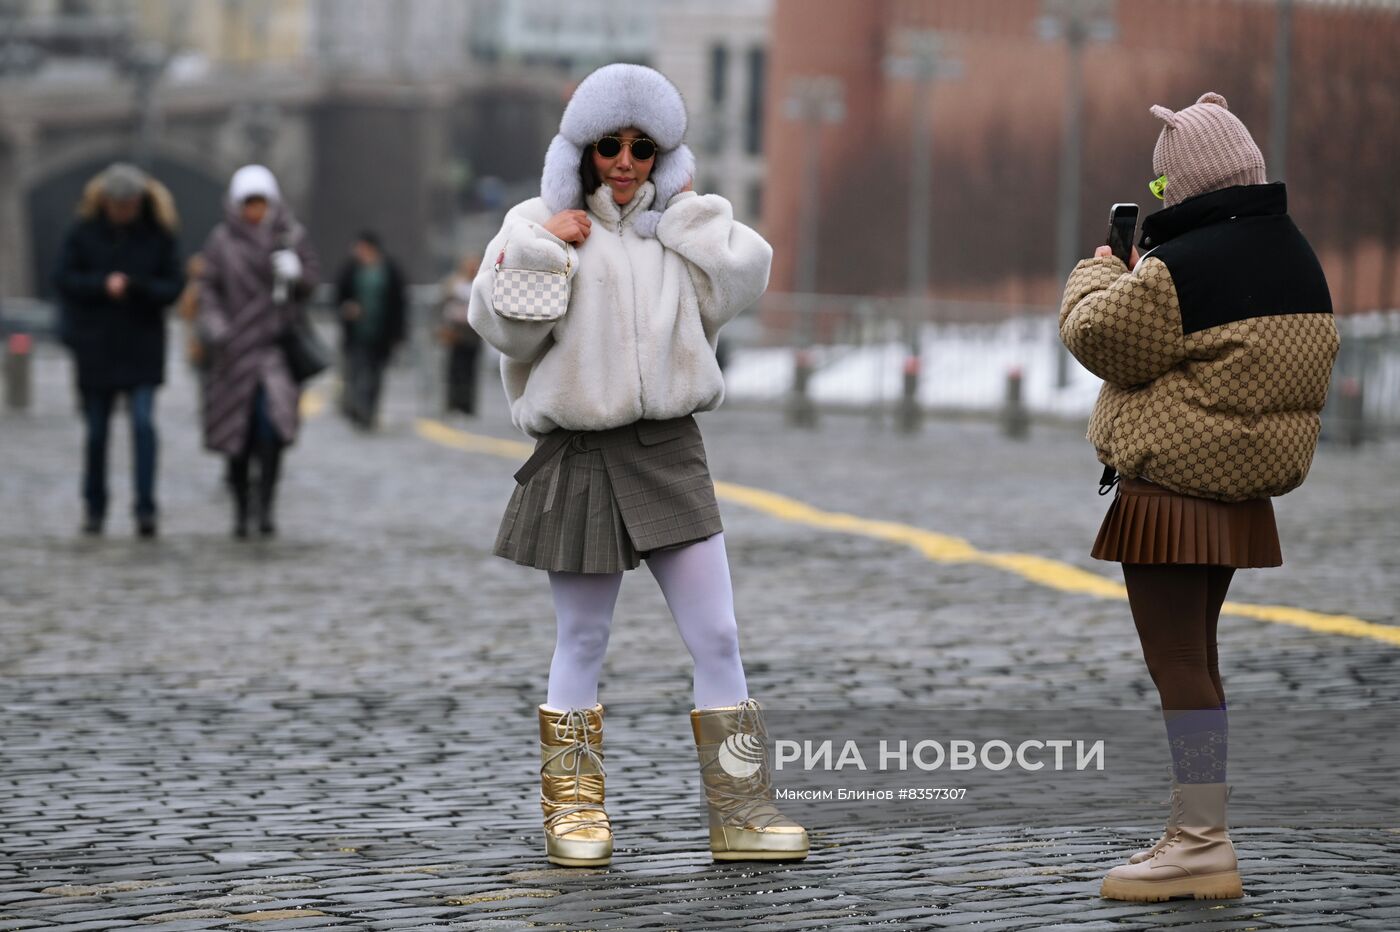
x=933, y=792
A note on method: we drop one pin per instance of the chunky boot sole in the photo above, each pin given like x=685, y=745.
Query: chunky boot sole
x=558, y=853
x=743, y=845
x=579, y=862
x=1222, y=886
x=759, y=855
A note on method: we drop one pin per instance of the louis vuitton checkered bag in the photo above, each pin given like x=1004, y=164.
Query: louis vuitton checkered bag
x=531, y=294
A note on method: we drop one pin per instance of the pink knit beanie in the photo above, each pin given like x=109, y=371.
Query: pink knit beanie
x=1204, y=148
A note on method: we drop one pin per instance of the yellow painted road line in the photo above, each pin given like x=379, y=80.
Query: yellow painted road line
x=312, y=403
x=440, y=433
x=943, y=548
x=313, y=399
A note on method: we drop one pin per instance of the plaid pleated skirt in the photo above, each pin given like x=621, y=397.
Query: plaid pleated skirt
x=1148, y=523
x=600, y=501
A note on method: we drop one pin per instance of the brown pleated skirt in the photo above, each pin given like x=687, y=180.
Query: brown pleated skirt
x=1150, y=524
x=600, y=501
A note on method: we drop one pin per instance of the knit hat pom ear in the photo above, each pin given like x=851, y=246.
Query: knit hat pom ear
x=1211, y=97
x=1162, y=113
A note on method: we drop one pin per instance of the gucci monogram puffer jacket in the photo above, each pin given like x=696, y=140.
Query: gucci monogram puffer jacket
x=1216, y=351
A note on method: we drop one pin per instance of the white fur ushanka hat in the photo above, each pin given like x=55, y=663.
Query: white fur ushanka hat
x=607, y=101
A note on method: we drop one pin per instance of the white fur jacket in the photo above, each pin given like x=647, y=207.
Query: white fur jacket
x=638, y=339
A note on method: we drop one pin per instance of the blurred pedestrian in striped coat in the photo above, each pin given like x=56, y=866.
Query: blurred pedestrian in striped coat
x=259, y=268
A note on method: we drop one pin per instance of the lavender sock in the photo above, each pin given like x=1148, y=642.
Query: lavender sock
x=1199, y=740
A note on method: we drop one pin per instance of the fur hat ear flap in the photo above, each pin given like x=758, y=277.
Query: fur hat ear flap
x=1211, y=97
x=673, y=171
x=646, y=223
x=1162, y=113
x=560, y=186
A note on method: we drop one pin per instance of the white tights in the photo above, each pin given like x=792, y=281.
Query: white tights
x=695, y=581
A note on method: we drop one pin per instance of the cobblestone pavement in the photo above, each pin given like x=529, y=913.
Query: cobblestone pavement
x=333, y=729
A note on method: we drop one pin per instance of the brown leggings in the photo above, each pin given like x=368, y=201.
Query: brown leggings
x=1176, y=608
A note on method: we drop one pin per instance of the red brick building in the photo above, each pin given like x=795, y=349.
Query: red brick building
x=996, y=134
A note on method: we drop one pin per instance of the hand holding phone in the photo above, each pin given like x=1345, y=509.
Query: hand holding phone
x=1122, y=228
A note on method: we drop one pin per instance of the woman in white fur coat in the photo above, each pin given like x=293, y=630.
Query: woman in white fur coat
x=619, y=473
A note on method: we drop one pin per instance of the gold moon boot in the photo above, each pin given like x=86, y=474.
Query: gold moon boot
x=745, y=825
x=576, y=828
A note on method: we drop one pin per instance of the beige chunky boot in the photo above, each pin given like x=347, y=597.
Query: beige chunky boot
x=576, y=828
x=1196, y=859
x=745, y=825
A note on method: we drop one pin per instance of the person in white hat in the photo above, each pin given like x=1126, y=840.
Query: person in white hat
x=619, y=474
x=259, y=269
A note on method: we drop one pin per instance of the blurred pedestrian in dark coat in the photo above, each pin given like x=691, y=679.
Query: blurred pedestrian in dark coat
x=118, y=272
x=372, y=298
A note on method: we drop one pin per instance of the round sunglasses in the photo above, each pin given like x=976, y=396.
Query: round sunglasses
x=610, y=147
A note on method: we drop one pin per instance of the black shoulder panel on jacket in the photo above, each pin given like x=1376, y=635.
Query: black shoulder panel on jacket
x=1242, y=268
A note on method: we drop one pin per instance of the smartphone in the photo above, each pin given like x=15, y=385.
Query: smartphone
x=1122, y=228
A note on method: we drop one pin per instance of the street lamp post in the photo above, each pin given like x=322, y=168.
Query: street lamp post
x=922, y=58
x=814, y=101
x=1283, y=61
x=1076, y=22
x=147, y=62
